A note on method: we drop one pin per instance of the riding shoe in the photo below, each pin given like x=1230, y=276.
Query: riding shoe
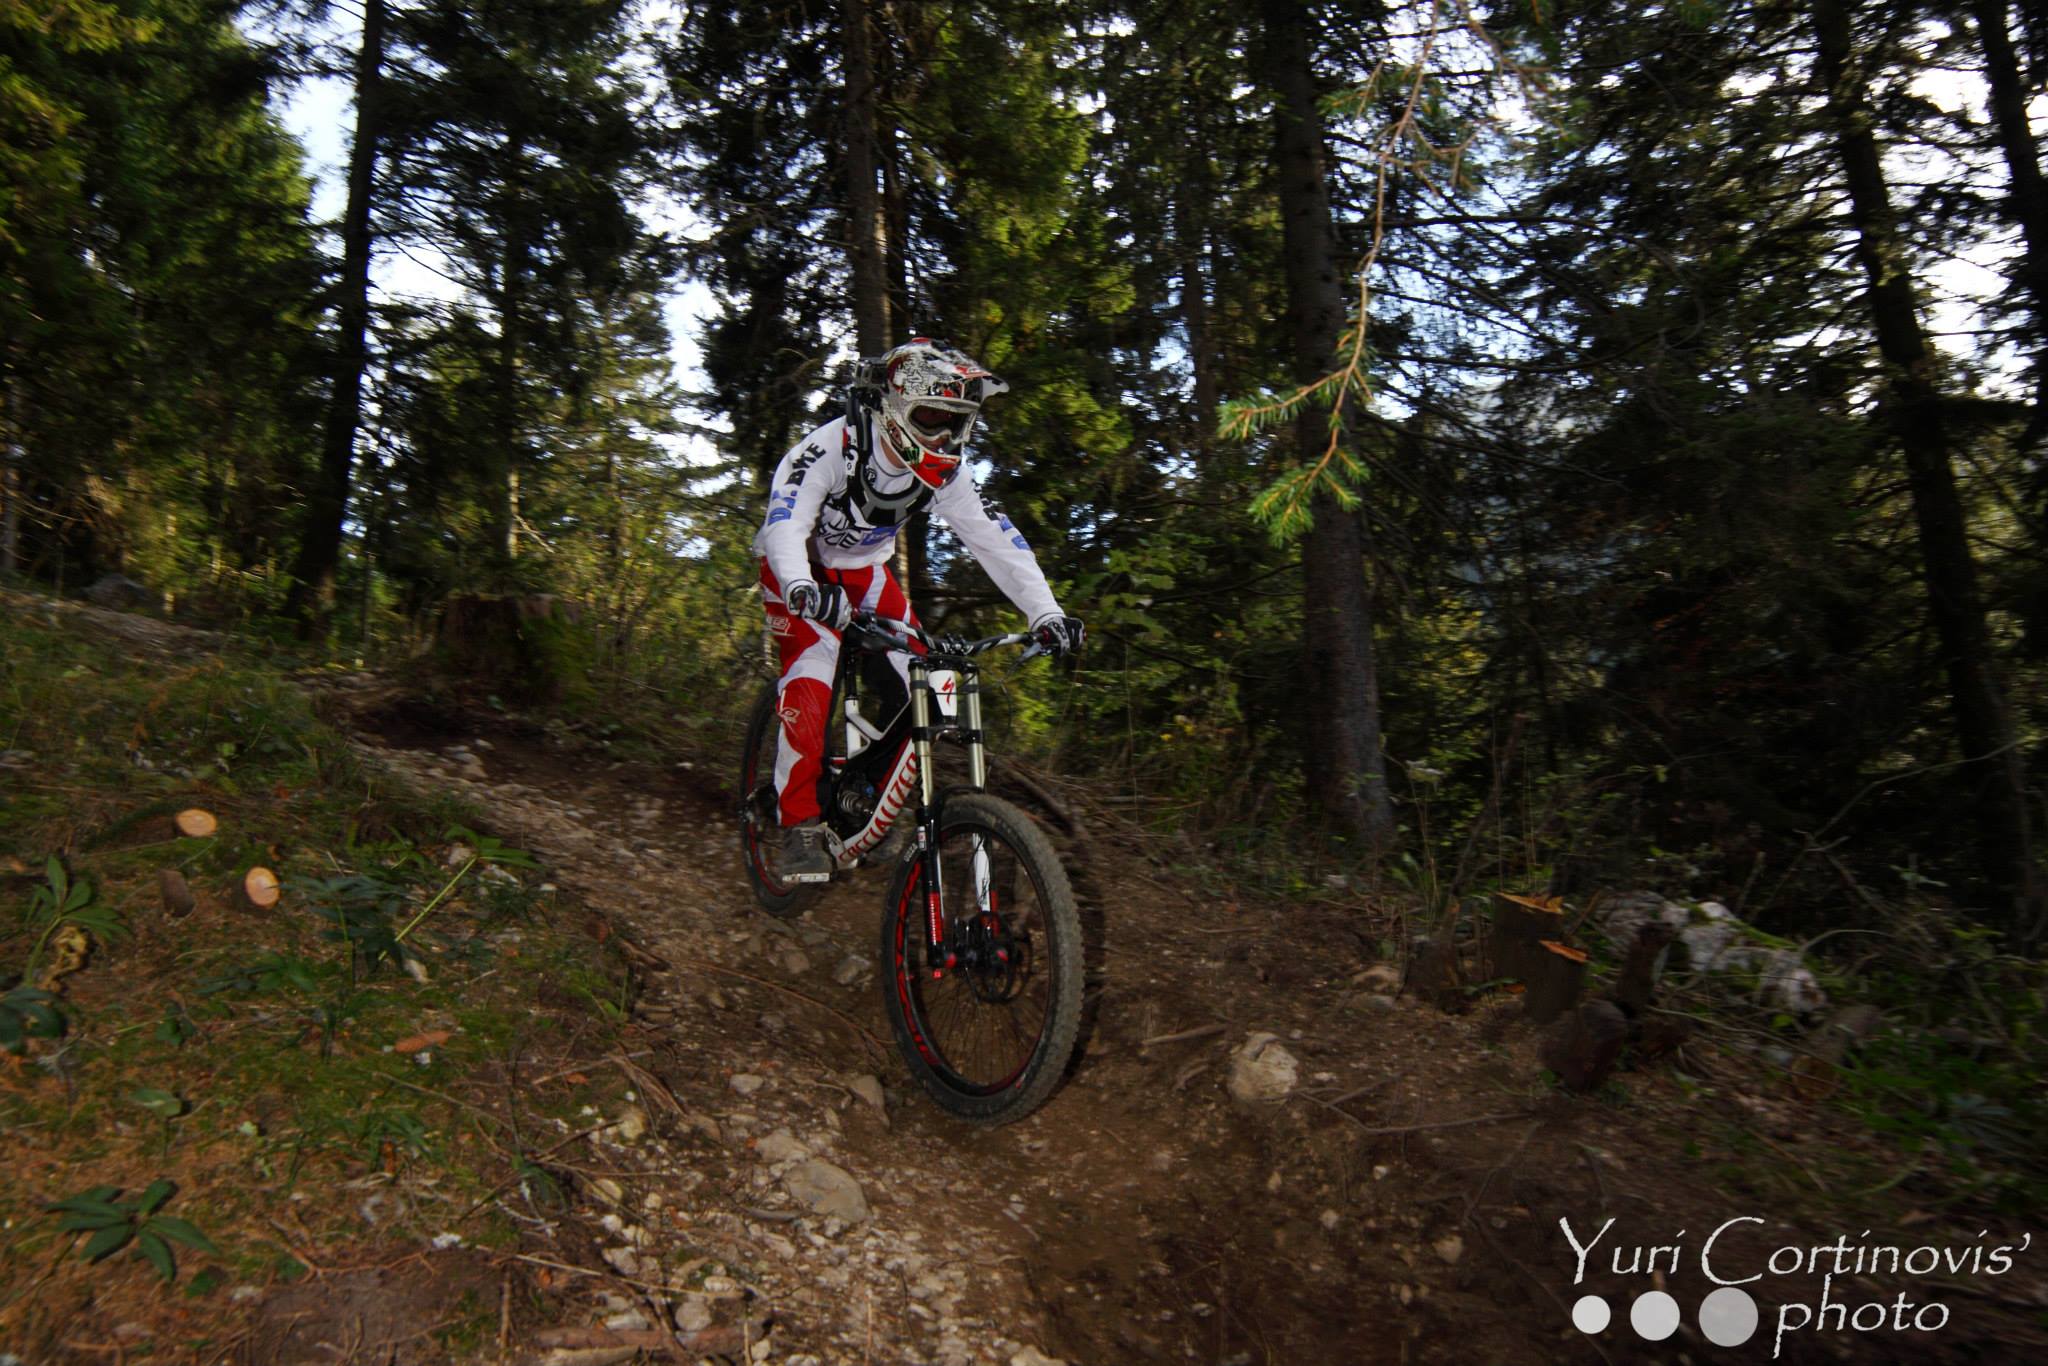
x=803, y=855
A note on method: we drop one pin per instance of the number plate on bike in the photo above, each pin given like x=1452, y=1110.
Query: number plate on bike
x=946, y=688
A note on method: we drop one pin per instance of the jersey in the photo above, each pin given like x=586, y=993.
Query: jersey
x=827, y=505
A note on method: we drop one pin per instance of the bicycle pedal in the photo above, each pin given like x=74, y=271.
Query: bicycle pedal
x=805, y=877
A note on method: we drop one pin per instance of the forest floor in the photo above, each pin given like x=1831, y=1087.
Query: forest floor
x=717, y=1136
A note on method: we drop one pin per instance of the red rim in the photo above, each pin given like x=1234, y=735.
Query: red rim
x=909, y=1001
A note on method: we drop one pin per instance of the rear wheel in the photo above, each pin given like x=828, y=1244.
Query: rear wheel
x=988, y=1038
x=760, y=829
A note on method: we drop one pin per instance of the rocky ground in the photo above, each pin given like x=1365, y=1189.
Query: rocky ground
x=1397, y=1199
x=1266, y=1152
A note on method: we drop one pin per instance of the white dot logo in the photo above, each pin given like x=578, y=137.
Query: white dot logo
x=1654, y=1316
x=1728, y=1317
x=1591, y=1314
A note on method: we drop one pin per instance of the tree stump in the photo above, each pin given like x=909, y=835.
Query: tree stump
x=1513, y=949
x=1433, y=974
x=1555, y=976
x=258, y=890
x=1639, y=971
x=177, y=893
x=1583, y=1048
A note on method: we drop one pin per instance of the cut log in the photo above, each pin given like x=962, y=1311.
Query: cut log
x=195, y=823
x=177, y=893
x=1583, y=1048
x=1518, y=929
x=1433, y=974
x=1555, y=977
x=260, y=889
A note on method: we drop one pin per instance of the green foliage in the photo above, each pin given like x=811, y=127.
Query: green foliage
x=26, y=1013
x=115, y=1223
x=1954, y=1077
x=61, y=903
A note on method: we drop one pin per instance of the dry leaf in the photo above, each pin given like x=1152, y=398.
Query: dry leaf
x=1564, y=950
x=1552, y=905
x=428, y=1039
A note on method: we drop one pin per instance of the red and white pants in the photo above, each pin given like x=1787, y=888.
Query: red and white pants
x=809, y=653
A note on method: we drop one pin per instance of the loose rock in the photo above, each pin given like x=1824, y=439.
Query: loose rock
x=869, y=1089
x=1262, y=1069
x=827, y=1190
x=781, y=1146
x=693, y=1314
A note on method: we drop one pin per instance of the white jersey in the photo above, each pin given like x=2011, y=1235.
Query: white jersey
x=820, y=509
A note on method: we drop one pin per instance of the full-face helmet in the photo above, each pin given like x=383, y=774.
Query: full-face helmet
x=931, y=396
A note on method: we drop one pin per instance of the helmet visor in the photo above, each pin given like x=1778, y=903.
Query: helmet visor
x=936, y=426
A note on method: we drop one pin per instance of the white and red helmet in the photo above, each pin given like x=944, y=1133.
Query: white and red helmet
x=931, y=396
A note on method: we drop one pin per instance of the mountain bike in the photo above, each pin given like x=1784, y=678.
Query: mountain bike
x=980, y=954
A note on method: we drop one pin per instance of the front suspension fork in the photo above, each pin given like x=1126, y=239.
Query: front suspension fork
x=940, y=957
x=937, y=956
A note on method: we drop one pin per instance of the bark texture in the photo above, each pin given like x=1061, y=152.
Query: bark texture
x=1914, y=412
x=1340, y=693
x=311, y=599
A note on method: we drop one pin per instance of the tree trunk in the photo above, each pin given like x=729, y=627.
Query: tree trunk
x=1913, y=406
x=2029, y=197
x=508, y=438
x=1345, y=771
x=10, y=479
x=1191, y=237
x=865, y=232
x=311, y=597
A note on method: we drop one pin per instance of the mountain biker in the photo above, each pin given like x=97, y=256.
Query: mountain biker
x=835, y=506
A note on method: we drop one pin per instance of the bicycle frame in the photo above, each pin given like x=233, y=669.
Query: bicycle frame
x=929, y=720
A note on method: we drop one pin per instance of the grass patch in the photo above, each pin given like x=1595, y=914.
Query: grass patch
x=232, y=1097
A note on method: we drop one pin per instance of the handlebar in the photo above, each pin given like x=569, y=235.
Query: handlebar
x=912, y=639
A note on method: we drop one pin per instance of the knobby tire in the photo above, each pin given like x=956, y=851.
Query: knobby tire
x=918, y=1009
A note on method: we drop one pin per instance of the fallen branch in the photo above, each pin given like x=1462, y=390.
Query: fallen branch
x=1202, y=1033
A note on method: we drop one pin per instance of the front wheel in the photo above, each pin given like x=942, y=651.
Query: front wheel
x=989, y=1037
x=760, y=829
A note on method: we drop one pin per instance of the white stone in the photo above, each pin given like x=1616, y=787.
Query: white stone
x=827, y=1190
x=781, y=1146
x=1262, y=1069
x=869, y=1089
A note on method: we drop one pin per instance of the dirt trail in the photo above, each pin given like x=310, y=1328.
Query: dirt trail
x=1402, y=1204
x=1142, y=1215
